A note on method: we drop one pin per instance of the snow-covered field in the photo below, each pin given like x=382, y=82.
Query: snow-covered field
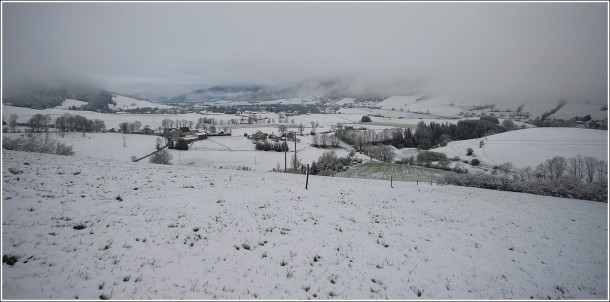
x=530, y=147
x=102, y=228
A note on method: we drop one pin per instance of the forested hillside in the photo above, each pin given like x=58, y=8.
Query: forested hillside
x=50, y=97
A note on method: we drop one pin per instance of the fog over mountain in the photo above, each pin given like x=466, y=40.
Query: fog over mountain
x=478, y=52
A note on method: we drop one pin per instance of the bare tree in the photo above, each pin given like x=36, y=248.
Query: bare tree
x=555, y=167
x=301, y=128
x=315, y=140
x=540, y=173
x=575, y=167
x=590, y=167
x=138, y=124
x=602, y=170
x=323, y=139
x=334, y=141
x=294, y=163
x=124, y=127
x=166, y=123
x=282, y=128
x=12, y=121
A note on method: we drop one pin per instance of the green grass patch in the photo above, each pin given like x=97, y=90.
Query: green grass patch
x=397, y=172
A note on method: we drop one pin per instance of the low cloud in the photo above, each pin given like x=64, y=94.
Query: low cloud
x=501, y=52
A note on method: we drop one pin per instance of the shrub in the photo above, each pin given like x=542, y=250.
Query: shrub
x=509, y=124
x=162, y=157
x=365, y=119
x=326, y=173
x=430, y=156
x=37, y=143
x=475, y=162
x=9, y=260
x=181, y=144
x=469, y=152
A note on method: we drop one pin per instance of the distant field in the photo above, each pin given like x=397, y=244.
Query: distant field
x=387, y=124
x=398, y=172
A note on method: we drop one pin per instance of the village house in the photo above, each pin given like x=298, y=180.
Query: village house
x=186, y=131
x=147, y=131
x=172, y=132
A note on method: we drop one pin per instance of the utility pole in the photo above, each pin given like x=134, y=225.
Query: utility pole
x=294, y=136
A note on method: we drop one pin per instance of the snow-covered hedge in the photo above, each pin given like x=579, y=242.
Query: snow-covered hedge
x=566, y=187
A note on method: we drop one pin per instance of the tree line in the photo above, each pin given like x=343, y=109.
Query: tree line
x=265, y=145
x=576, y=177
x=97, y=99
x=69, y=122
x=65, y=123
x=426, y=136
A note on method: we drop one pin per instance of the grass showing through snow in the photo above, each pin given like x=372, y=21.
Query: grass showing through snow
x=398, y=172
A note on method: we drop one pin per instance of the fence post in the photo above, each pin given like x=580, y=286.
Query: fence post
x=307, y=179
x=391, y=185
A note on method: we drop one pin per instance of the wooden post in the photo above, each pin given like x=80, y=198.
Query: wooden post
x=307, y=179
x=294, y=135
x=391, y=185
x=285, y=161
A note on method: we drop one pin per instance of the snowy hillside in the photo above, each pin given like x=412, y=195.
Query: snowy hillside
x=91, y=229
x=529, y=147
x=70, y=103
x=573, y=109
x=123, y=102
x=434, y=105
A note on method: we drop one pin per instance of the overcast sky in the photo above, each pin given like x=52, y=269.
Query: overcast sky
x=501, y=51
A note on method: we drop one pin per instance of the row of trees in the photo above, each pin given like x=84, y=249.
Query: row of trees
x=583, y=169
x=267, y=146
x=39, y=122
x=425, y=137
x=329, y=163
x=127, y=127
x=68, y=122
x=65, y=123
x=576, y=177
x=325, y=140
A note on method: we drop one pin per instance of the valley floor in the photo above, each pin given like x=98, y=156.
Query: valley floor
x=91, y=229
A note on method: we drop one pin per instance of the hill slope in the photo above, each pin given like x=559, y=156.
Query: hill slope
x=529, y=147
x=108, y=229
